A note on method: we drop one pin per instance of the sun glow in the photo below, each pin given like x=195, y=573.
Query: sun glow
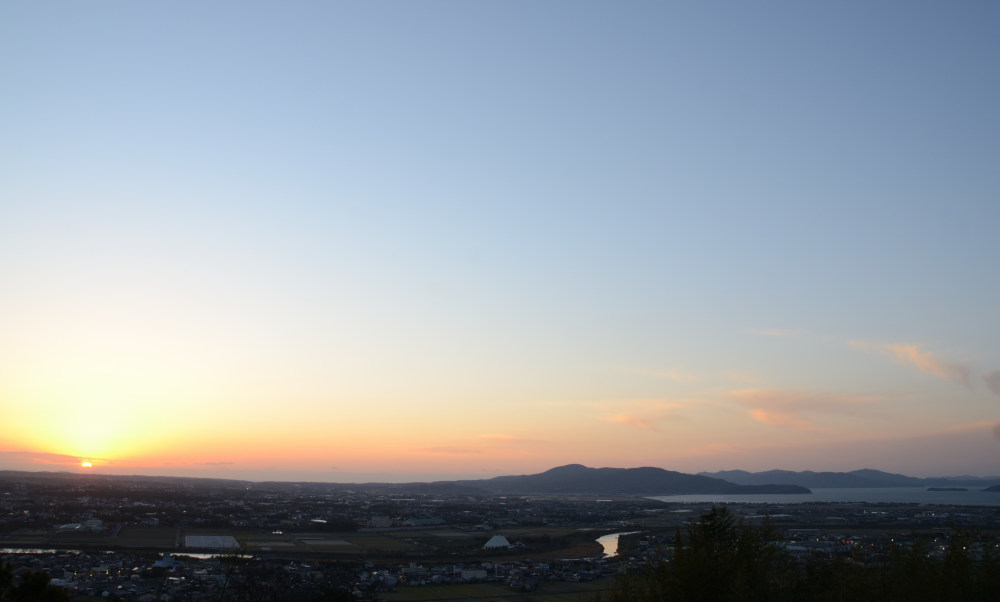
x=85, y=464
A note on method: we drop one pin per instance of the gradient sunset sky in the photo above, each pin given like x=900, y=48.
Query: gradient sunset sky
x=404, y=241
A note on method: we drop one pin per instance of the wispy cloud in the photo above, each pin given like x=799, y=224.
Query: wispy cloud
x=743, y=377
x=966, y=427
x=500, y=439
x=629, y=420
x=992, y=380
x=642, y=413
x=674, y=375
x=44, y=458
x=217, y=463
x=487, y=443
x=789, y=409
x=778, y=332
x=913, y=355
x=784, y=419
x=454, y=450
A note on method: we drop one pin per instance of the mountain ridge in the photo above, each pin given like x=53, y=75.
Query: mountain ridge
x=569, y=479
x=580, y=479
x=855, y=479
x=646, y=480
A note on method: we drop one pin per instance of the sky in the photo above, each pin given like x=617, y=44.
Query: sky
x=399, y=241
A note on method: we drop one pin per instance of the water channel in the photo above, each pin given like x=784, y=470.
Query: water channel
x=610, y=542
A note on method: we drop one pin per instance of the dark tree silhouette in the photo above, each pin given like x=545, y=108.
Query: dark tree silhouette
x=718, y=559
x=29, y=586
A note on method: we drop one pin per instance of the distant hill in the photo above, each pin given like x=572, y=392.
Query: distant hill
x=864, y=478
x=576, y=478
x=570, y=479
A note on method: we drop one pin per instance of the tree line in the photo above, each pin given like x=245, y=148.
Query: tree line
x=719, y=559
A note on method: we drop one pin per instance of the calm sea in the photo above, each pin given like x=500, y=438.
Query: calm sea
x=894, y=495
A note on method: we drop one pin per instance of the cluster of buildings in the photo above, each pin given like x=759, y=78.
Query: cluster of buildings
x=146, y=578
x=206, y=562
x=93, y=506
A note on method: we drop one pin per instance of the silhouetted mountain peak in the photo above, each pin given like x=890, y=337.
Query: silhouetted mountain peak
x=567, y=469
x=863, y=478
x=646, y=480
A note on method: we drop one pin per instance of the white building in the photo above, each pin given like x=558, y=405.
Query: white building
x=496, y=542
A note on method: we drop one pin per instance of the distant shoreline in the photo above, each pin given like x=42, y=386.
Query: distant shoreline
x=871, y=495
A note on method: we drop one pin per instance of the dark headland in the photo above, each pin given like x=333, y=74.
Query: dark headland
x=572, y=479
x=579, y=479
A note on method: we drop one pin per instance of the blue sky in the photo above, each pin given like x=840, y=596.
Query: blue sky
x=435, y=226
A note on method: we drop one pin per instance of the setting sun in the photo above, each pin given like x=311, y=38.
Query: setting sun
x=319, y=287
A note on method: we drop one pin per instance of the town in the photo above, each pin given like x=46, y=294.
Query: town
x=149, y=538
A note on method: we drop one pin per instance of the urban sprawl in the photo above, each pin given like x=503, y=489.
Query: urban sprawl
x=145, y=538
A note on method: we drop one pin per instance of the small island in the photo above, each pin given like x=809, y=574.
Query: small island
x=947, y=489
x=993, y=489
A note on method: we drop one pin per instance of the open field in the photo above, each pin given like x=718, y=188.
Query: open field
x=543, y=542
x=24, y=539
x=551, y=591
x=146, y=537
x=78, y=539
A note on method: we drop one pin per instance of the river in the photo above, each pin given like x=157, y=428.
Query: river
x=610, y=542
